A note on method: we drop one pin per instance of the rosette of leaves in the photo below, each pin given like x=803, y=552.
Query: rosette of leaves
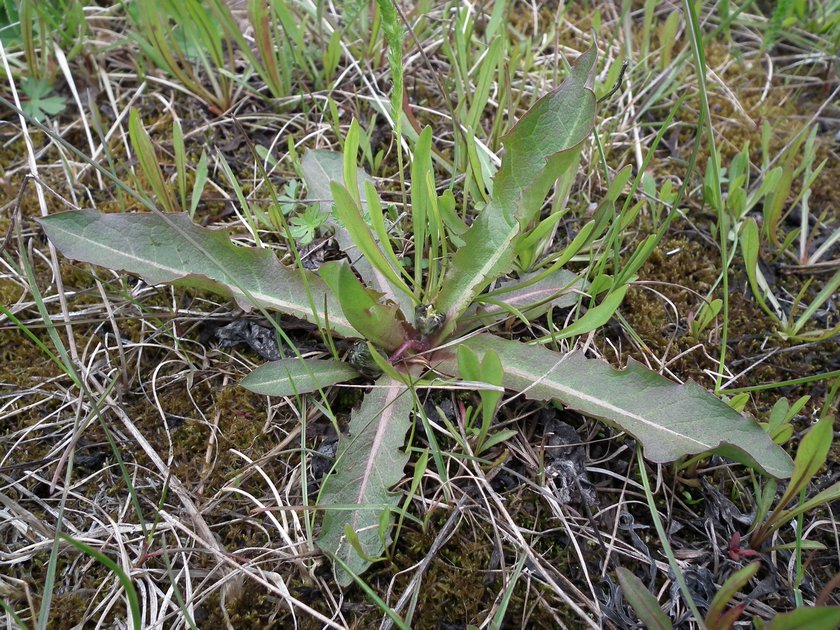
x=421, y=325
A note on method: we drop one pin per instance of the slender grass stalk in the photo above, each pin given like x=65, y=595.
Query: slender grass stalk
x=666, y=546
x=696, y=38
x=122, y=576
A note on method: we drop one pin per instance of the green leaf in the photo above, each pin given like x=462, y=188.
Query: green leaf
x=39, y=104
x=538, y=150
x=750, y=246
x=594, y=318
x=380, y=323
x=200, y=181
x=322, y=168
x=145, y=152
x=827, y=618
x=532, y=299
x=642, y=601
x=829, y=495
x=810, y=457
x=169, y=248
x=369, y=461
x=290, y=377
x=727, y=592
x=669, y=420
x=350, y=215
x=122, y=576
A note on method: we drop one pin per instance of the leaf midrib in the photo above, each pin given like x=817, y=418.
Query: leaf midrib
x=598, y=402
x=179, y=274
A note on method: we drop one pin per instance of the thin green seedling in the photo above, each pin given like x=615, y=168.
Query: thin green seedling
x=420, y=467
x=35, y=63
x=251, y=217
x=122, y=576
x=688, y=599
x=497, y=622
x=718, y=615
x=372, y=595
x=810, y=457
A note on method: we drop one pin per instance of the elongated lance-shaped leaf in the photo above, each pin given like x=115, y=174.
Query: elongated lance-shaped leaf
x=669, y=420
x=642, y=601
x=380, y=323
x=369, y=461
x=290, y=377
x=532, y=299
x=171, y=249
x=539, y=149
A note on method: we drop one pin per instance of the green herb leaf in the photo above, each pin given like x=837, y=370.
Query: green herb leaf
x=171, y=249
x=539, y=149
x=670, y=420
x=642, y=601
x=40, y=104
x=380, y=323
x=290, y=377
x=369, y=461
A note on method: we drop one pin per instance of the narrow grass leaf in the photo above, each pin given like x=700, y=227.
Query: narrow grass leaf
x=145, y=152
x=122, y=576
x=198, y=185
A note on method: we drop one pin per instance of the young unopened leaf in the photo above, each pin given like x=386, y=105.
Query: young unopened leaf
x=669, y=420
x=290, y=377
x=145, y=152
x=369, y=461
x=171, y=249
